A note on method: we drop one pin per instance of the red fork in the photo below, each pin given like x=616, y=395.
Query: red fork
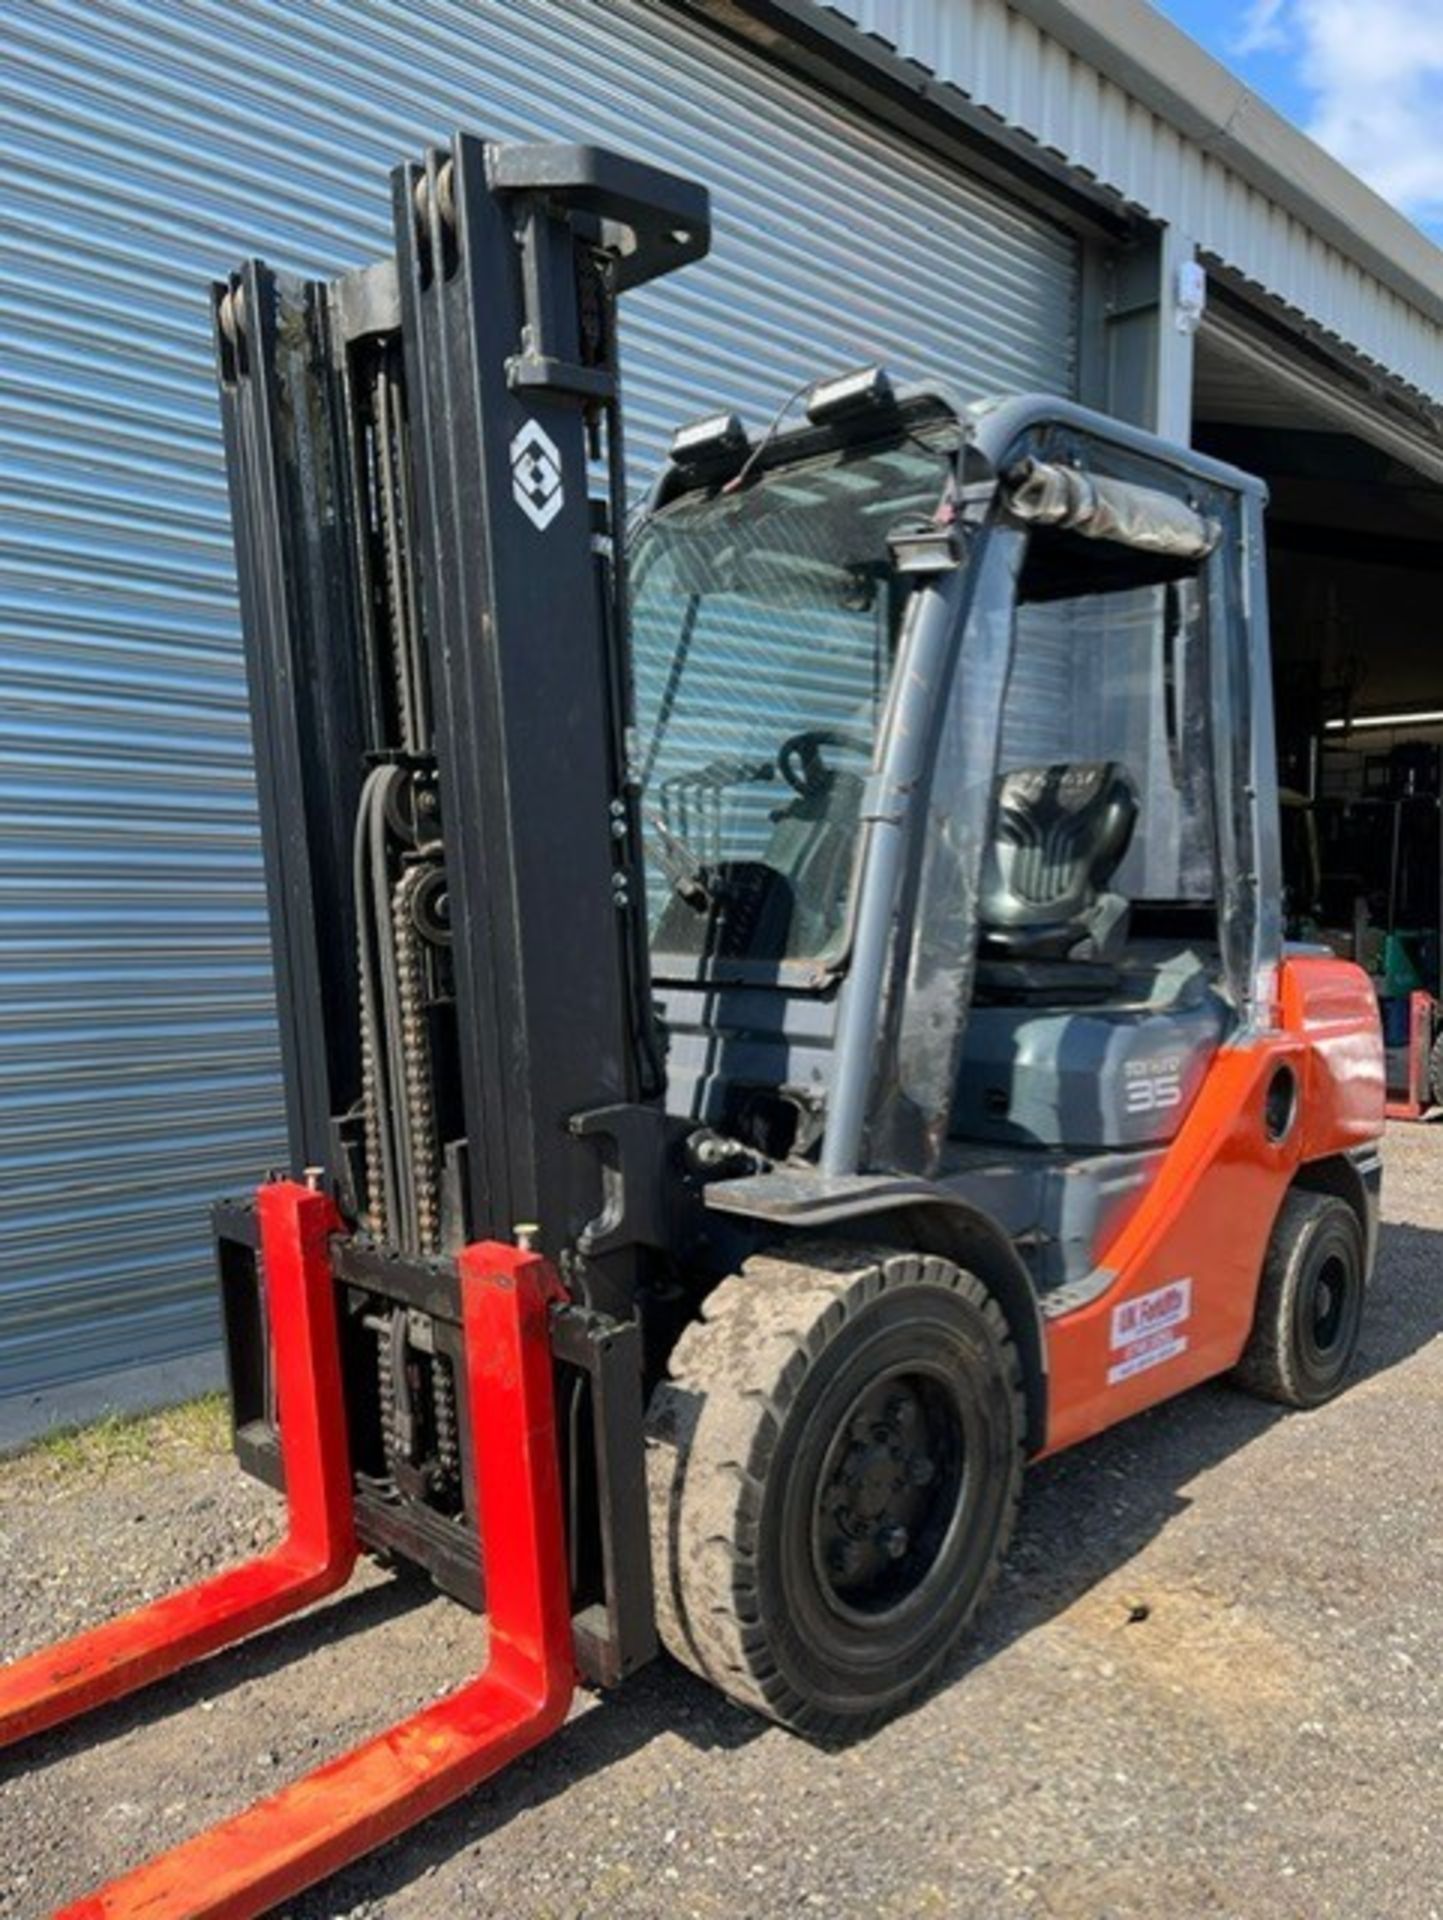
x=319, y=1549
x=330, y=1817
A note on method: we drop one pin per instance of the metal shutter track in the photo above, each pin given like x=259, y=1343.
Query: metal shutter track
x=145, y=148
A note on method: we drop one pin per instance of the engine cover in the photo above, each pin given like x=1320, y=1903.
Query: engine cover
x=1082, y=1077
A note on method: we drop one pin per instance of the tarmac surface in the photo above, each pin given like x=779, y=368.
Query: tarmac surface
x=1210, y=1684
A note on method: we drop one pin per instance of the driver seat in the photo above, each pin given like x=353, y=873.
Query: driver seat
x=1048, y=924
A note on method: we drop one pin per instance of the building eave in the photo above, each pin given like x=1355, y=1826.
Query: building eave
x=1167, y=71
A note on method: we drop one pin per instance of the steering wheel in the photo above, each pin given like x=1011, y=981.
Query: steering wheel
x=799, y=759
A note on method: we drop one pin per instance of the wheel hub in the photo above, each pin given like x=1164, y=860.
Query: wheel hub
x=887, y=1492
x=1329, y=1304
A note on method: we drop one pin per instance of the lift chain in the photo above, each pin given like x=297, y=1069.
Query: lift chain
x=445, y=1415
x=396, y=1450
x=396, y=1404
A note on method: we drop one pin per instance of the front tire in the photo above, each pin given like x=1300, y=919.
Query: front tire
x=834, y=1467
x=1310, y=1303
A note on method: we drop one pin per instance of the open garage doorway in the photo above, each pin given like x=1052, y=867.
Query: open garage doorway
x=1356, y=586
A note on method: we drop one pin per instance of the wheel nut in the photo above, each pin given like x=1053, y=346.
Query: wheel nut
x=920, y=1470
x=893, y=1541
x=845, y=1559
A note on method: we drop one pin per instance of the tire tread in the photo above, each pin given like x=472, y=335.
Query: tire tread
x=712, y=1428
x=1268, y=1366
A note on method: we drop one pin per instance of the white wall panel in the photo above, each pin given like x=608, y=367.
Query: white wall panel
x=146, y=146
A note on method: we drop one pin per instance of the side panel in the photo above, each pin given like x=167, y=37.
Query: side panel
x=1331, y=1003
x=1187, y=1263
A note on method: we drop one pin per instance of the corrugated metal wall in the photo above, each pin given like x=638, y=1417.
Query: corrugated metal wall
x=146, y=146
x=1005, y=63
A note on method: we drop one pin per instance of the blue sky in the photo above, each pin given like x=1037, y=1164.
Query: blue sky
x=1363, y=77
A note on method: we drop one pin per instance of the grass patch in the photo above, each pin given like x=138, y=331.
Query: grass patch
x=132, y=1439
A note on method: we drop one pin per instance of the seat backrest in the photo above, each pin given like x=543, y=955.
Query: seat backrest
x=1061, y=833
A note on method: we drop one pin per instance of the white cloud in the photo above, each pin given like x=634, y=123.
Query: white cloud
x=1374, y=72
x=1264, y=27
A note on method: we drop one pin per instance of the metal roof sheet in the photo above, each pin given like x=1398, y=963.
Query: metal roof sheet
x=1132, y=103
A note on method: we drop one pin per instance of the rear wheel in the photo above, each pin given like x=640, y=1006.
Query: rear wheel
x=1435, y=1070
x=834, y=1469
x=1310, y=1303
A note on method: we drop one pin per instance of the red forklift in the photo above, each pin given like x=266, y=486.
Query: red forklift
x=783, y=997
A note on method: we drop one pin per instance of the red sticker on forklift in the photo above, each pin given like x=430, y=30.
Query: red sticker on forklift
x=1145, y=1330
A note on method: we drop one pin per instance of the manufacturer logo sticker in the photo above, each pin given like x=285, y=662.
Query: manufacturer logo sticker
x=536, y=475
x=1146, y=1331
x=1152, y=1086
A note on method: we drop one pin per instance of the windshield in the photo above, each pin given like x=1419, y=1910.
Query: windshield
x=763, y=628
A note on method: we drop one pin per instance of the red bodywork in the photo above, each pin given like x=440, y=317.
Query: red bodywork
x=1188, y=1258
x=274, y=1849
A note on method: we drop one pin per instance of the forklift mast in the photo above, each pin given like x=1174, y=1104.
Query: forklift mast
x=426, y=464
x=434, y=606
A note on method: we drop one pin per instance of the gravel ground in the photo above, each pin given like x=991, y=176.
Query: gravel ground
x=1266, y=1742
